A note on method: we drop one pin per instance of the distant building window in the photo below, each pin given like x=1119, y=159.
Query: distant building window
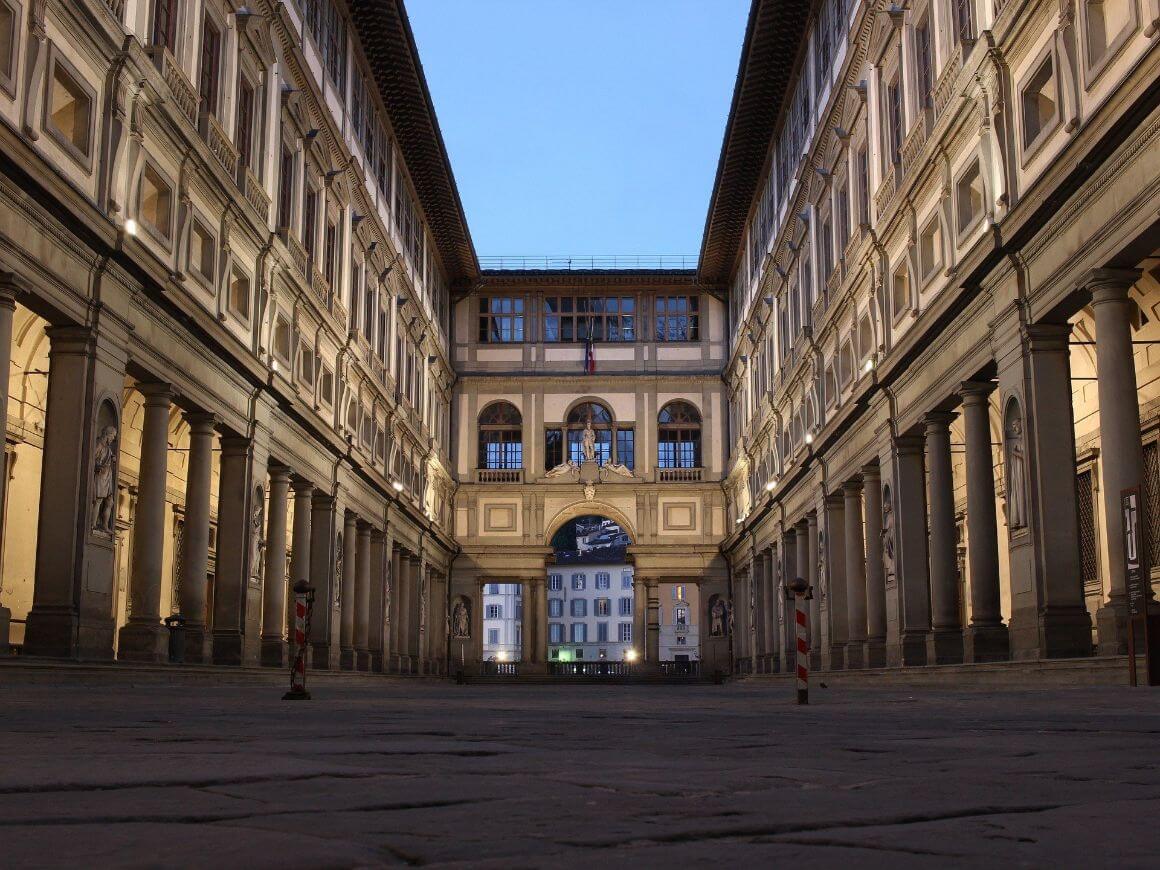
x=602, y=579
x=680, y=616
x=602, y=632
x=555, y=582
x=579, y=634
x=626, y=580
x=677, y=318
x=579, y=581
x=626, y=447
x=493, y=589
x=579, y=607
x=501, y=319
x=555, y=632
x=494, y=611
x=555, y=607
x=679, y=592
x=493, y=636
x=603, y=607
x=625, y=606
x=576, y=318
x=626, y=632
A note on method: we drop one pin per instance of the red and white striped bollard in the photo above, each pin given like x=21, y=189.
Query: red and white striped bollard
x=303, y=605
x=799, y=589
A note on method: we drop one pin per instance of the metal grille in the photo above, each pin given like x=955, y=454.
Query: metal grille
x=1087, y=528
x=1151, y=490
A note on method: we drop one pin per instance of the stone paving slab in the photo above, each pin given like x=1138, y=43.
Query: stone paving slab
x=117, y=774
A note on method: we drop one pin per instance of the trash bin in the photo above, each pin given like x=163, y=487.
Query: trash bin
x=176, y=626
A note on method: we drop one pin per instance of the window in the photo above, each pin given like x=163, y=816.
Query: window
x=239, y=299
x=603, y=607
x=156, y=204
x=930, y=249
x=677, y=318
x=210, y=68
x=603, y=580
x=69, y=113
x=326, y=385
x=865, y=337
x=282, y=337
x=625, y=607
x=493, y=636
x=969, y=198
x=1040, y=104
x=500, y=437
x=862, y=167
x=679, y=592
x=306, y=365
x=166, y=14
x=625, y=447
x=680, y=616
x=579, y=607
x=555, y=607
x=202, y=251
x=626, y=632
x=244, y=138
x=626, y=580
x=963, y=20
x=893, y=121
x=1105, y=23
x=576, y=318
x=8, y=37
x=579, y=635
x=331, y=253
x=679, y=436
x=899, y=291
x=924, y=68
x=325, y=24
x=555, y=632
x=846, y=363
x=830, y=383
x=602, y=632
x=599, y=418
x=555, y=582
x=501, y=319
x=285, y=187
x=494, y=611
x=579, y=581
x=310, y=221
x=826, y=234
x=842, y=220
x=493, y=589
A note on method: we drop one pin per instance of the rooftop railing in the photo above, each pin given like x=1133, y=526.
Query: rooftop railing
x=562, y=263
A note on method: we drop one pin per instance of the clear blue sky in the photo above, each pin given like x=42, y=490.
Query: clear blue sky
x=582, y=126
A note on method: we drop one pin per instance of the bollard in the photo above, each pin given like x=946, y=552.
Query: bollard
x=799, y=590
x=303, y=607
x=176, y=626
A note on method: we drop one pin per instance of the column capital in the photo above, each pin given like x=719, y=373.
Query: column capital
x=279, y=473
x=852, y=488
x=201, y=422
x=1047, y=337
x=10, y=288
x=156, y=392
x=937, y=421
x=1110, y=285
x=378, y=535
x=301, y=486
x=871, y=473
x=811, y=521
x=904, y=444
x=324, y=500
x=976, y=392
x=235, y=445
x=350, y=518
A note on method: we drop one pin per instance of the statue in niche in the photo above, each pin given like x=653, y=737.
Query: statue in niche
x=588, y=442
x=105, y=481
x=257, y=540
x=887, y=534
x=1016, y=468
x=460, y=620
x=718, y=617
x=821, y=564
x=339, y=555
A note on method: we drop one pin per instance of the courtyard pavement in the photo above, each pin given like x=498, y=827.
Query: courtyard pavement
x=118, y=773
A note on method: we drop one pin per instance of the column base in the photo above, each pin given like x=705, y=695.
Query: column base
x=362, y=660
x=837, y=658
x=1057, y=633
x=986, y=643
x=196, y=645
x=773, y=664
x=228, y=648
x=815, y=659
x=376, y=662
x=274, y=651
x=1112, y=627
x=143, y=642
x=320, y=656
x=51, y=631
x=854, y=660
x=5, y=629
x=874, y=653
x=346, y=659
x=912, y=649
x=944, y=646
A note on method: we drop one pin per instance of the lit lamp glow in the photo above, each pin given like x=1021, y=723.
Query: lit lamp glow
x=131, y=227
x=630, y=655
x=809, y=438
x=869, y=366
x=398, y=486
x=501, y=656
x=770, y=484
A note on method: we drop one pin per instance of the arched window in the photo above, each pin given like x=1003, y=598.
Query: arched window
x=679, y=437
x=578, y=419
x=500, y=437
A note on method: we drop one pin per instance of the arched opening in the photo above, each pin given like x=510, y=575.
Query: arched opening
x=679, y=436
x=501, y=443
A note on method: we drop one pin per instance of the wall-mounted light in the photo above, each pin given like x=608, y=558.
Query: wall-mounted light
x=868, y=366
x=770, y=484
x=131, y=227
x=398, y=486
x=809, y=438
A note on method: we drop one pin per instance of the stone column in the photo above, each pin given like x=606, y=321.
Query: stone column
x=654, y=621
x=420, y=610
x=406, y=590
x=362, y=599
x=790, y=547
x=395, y=612
x=541, y=650
x=769, y=615
x=875, y=655
x=7, y=309
x=323, y=517
x=233, y=546
x=812, y=551
x=527, y=622
x=986, y=637
x=380, y=550
x=945, y=645
x=300, y=547
x=274, y=577
x=195, y=540
x=639, y=617
x=348, y=604
x=144, y=638
x=73, y=596
x=855, y=558
x=1121, y=453
x=911, y=557
x=832, y=584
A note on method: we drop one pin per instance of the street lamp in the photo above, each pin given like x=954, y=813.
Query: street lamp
x=630, y=656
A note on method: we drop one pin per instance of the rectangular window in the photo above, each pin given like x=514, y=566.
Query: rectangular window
x=70, y=111
x=576, y=318
x=578, y=581
x=893, y=121
x=968, y=198
x=326, y=386
x=899, y=292
x=555, y=632
x=493, y=636
x=626, y=632
x=555, y=607
x=245, y=134
x=579, y=607
x=603, y=580
x=625, y=447
x=625, y=606
x=156, y=207
x=924, y=68
x=202, y=251
x=1105, y=22
x=553, y=448
x=862, y=168
x=963, y=20
x=331, y=253
x=240, y=294
x=494, y=611
x=626, y=580
x=282, y=338
x=501, y=319
x=602, y=632
x=306, y=365
x=285, y=187
x=579, y=634
x=603, y=607
x=493, y=589
x=555, y=582
x=1040, y=101
x=8, y=42
x=842, y=220
x=677, y=318
x=310, y=221
x=166, y=14
x=211, y=54
x=930, y=249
